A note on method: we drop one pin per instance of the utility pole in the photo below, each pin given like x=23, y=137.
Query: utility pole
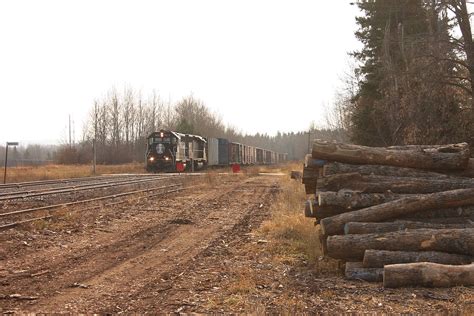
x=6, y=159
x=94, y=159
x=70, y=142
x=73, y=132
x=309, y=141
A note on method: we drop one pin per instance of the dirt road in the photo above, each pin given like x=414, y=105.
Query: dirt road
x=203, y=249
x=133, y=259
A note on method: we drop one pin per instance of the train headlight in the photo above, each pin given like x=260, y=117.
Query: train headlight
x=152, y=158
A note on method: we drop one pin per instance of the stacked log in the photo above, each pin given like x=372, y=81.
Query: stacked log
x=403, y=215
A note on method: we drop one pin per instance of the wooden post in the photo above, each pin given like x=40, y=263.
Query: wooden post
x=5, y=171
x=94, y=159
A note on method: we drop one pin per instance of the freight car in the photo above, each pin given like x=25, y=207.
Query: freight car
x=172, y=151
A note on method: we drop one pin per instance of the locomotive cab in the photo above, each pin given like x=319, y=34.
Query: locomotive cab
x=169, y=151
x=162, y=149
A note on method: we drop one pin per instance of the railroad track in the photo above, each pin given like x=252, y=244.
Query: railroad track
x=75, y=188
x=12, y=187
x=10, y=219
x=17, y=185
x=51, y=208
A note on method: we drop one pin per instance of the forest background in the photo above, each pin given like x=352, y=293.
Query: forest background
x=411, y=83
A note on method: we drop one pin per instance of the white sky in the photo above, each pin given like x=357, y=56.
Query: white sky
x=262, y=65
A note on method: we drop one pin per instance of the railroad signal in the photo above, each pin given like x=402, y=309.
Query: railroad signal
x=6, y=159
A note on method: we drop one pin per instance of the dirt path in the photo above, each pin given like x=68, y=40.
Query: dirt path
x=201, y=250
x=133, y=263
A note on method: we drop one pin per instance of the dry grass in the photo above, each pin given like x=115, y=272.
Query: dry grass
x=49, y=172
x=294, y=236
x=245, y=282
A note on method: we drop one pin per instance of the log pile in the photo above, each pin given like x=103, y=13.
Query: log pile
x=403, y=215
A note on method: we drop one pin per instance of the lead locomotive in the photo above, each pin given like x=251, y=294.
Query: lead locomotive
x=169, y=151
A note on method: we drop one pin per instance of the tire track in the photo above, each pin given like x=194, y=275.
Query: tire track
x=88, y=262
x=129, y=283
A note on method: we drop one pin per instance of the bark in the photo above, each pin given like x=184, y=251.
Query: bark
x=311, y=163
x=296, y=175
x=323, y=241
x=352, y=247
x=444, y=220
x=457, y=215
x=453, y=156
x=427, y=274
x=312, y=209
x=382, y=184
x=468, y=172
x=310, y=179
x=380, y=258
x=464, y=212
x=395, y=209
x=377, y=228
x=356, y=271
x=338, y=168
x=354, y=199
x=309, y=209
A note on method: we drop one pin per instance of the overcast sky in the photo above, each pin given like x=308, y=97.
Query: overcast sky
x=262, y=65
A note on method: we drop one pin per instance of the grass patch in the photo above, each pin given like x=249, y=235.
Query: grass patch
x=295, y=238
x=51, y=172
x=244, y=282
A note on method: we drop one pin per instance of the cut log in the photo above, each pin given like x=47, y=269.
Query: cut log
x=380, y=258
x=334, y=168
x=323, y=241
x=464, y=211
x=457, y=215
x=354, y=199
x=377, y=228
x=453, y=156
x=356, y=271
x=427, y=274
x=442, y=220
x=446, y=220
x=310, y=179
x=296, y=175
x=395, y=209
x=312, y=209
x=309, y=162
x=352, y=247
x=468, y=172
x=308, y=209
x=382, y=184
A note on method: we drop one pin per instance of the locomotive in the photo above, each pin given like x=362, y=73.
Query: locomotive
x=169, y=151
x=172, y=151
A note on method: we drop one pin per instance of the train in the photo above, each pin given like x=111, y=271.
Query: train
x=170, y=151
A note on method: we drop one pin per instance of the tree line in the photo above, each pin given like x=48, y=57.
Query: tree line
x=414, y=76
x=120, y=122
